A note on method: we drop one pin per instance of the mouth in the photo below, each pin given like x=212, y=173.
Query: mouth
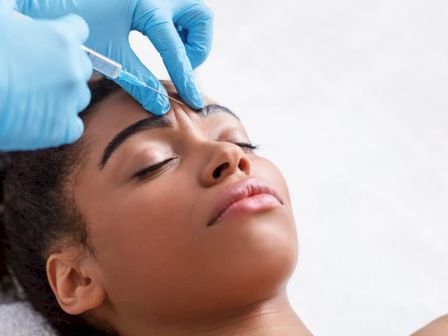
x=244, y=197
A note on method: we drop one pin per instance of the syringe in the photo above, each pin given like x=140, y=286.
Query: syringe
x=115, y=70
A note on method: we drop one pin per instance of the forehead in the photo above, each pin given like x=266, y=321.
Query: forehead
x=113, y=113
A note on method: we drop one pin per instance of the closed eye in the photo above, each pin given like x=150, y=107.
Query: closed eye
x=155, y=169
x=246, y=146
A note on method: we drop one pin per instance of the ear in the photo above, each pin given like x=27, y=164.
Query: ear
x=70, y=277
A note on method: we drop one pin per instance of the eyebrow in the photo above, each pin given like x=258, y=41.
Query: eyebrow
x=215, y=108
x=153, y=122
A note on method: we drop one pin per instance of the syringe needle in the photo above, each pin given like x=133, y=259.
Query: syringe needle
x=162, y=93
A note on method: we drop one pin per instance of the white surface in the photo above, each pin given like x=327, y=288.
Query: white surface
x=349, y=99
x=19, y=319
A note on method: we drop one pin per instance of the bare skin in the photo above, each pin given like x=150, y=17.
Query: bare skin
x=437, y=327
x=159, y=268
x=268, y=318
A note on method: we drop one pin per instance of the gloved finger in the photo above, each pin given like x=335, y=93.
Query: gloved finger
x=194, y=21
x=149, y=99
x=163, y=35
x=75, y=128
x=9, y=5
x=83, y=98
x=72, y=24
x=86, y=66
x=73, y=31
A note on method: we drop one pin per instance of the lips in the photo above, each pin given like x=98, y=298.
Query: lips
x=246, y=196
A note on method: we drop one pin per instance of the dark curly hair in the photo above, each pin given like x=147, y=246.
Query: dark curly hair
x=37, y=213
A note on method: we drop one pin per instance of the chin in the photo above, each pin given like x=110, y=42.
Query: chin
x=260, y=254
x=240, y=263
x=271, y=245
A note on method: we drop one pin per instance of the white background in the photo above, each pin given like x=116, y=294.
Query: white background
x=349, y=98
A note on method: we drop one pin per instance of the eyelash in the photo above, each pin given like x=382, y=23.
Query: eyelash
x=153, y=168
x=247, y=147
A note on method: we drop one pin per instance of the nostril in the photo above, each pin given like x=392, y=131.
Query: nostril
x=218, y=170
x=243, y=165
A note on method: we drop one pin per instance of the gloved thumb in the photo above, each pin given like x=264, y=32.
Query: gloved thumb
x=149, y=99
x=74, y=131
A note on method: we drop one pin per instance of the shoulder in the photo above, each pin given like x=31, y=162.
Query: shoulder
x=437, y=327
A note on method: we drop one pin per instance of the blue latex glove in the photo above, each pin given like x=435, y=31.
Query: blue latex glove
x=181, y=30
x=43, y=80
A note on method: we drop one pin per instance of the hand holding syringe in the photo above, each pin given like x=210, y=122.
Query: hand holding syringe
x=115, y=70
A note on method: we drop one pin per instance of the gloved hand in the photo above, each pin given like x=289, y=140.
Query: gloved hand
x=181, y=30
x=43, y=80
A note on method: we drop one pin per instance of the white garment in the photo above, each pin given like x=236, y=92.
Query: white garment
x=20, y=319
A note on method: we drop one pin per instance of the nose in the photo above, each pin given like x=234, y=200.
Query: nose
x=225, y=159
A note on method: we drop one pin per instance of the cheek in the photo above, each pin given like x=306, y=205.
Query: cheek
x=144, y=240
x=148, y=224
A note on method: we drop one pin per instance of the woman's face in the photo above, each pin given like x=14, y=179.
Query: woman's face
x=157, y=256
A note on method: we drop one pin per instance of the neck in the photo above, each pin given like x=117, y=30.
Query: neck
x=273, y=317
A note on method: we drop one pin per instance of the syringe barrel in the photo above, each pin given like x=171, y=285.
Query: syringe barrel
x=103, y=64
